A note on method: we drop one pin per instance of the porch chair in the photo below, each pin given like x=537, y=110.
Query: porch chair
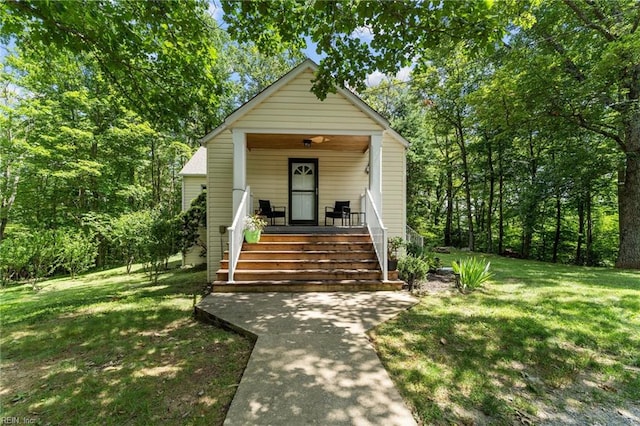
x=341, y=210
x=272, y=212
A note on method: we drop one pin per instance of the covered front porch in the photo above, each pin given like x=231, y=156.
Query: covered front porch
x=306, y=172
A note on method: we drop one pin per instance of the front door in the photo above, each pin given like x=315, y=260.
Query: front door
x=303, y=191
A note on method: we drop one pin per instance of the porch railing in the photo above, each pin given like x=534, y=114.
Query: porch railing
x=236, y=232
x=413, y=237
x=377, y=231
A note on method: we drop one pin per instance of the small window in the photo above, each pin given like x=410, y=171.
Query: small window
x=303, y=170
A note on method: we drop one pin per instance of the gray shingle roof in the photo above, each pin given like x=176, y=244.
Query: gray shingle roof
x=197, y=165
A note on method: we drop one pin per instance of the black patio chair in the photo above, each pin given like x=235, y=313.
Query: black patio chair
x=341, y=210
x=272, y=212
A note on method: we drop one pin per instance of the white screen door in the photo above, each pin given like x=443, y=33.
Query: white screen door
x=303, y=191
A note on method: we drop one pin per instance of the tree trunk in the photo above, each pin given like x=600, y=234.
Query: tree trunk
x=492, y=184
x=3, y=226
x=500, y=201
x=531, y=213
x=459, y=226
x=589, y=260
x=467, y=184
x=448, y=227
x=556, y=239
x=579, y=255
x=629, y=206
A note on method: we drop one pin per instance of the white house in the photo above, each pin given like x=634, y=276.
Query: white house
x=296, y=151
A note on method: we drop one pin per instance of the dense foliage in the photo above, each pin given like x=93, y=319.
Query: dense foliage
x=525, y=116
x=100, y=108
x=191, y=223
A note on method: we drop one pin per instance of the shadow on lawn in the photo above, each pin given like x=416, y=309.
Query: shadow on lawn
x=123, y=354
x=488, y=358
x=544, y=274
x=32, y=307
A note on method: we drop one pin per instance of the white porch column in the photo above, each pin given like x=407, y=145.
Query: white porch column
x=239, y=166
x=375, y=170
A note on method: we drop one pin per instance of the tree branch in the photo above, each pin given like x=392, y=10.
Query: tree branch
x=636, y=23
x=582, y=122
x=597, y=11
x=571, y=66
x=588, y=22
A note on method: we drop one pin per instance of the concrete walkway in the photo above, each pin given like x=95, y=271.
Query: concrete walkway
x=312, y=363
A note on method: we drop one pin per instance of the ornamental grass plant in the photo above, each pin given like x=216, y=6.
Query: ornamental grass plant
x=471, y=273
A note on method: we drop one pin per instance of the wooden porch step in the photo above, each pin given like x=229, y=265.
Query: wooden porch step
x=299, y=286
x=306, y=262
x=314, y=238
x=298, y=264
x=300, y=274
x=307, y=254
x=305, y=246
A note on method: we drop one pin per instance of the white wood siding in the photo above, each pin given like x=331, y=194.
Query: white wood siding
x=294, y=106
x=191, y=188
x=219, y=197
x=341, y=175
x=394, y=206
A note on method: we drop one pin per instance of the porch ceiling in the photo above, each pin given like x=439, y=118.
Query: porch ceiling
x=323, y=142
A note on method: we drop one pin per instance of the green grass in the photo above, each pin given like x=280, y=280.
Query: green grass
x=112, y=348
x=535, y=331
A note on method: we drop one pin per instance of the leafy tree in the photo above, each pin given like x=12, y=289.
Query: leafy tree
x=129, y=234
x=162, y=243
x=78, y=252
x=373, y=36
x=590, y=54
x=162, y=57
x=14, y=258
x=13, y=147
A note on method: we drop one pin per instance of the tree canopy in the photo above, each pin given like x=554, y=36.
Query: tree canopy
x=524, y=117
x=162, y=57
x=564, y=65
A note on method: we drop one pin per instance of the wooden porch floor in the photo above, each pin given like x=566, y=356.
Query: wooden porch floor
x=331, y=230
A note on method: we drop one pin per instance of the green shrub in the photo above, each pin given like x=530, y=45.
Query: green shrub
x=192, y=221
x=129, y=235
x=40, y=253
x=412, y=269
x=15, y=255
x=32, y=255
x=78, y=251
x=414, y=249
x=163, y=242
x=394, y=244
x=472, y=273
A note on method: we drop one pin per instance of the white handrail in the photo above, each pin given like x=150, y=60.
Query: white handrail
x=377, y=231
x=413, y=237
x=236, y=233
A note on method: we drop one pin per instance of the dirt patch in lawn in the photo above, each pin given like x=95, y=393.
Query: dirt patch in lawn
x=435, y=283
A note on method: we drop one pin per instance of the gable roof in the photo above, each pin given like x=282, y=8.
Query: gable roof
x=307, y=64
x=197, y=164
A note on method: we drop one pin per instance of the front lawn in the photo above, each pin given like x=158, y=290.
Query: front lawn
x=112, y=348
x=540, y=343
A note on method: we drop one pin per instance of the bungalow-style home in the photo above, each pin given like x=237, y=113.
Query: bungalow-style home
x=194, y=180
x=329, y=177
